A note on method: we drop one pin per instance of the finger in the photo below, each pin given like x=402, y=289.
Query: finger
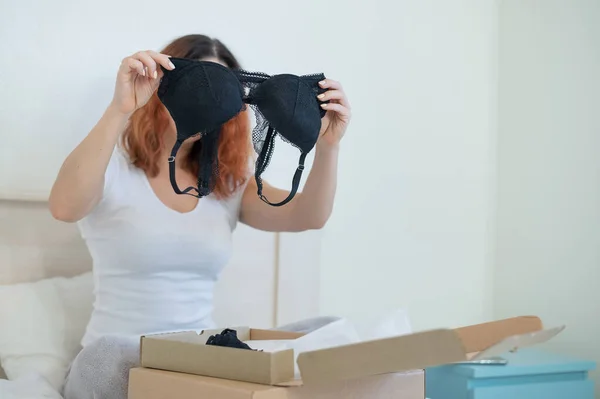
x=162, y=59
x=148, y=62
x=330, y=84
x=154, y=83
x=134, y=65
x=336, y=95
x=337, y=108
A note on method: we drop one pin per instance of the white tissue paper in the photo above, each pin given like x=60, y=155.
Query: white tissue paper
x=338, y=333
x=393, y=324
x=269, y=345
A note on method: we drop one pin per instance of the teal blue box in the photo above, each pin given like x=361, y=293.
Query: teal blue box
x=529, y=374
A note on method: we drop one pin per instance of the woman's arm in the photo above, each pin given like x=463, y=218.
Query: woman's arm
x=308, y=210
x=311, y=208
x=80, y=181
x=78, y=186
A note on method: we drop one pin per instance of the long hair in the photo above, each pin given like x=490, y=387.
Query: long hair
x=144, y=136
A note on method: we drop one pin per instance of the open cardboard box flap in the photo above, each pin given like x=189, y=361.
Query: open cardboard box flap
x=186, y=352
x=423, y=349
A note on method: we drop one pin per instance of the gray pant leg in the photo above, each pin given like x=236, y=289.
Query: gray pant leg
x=101, y=369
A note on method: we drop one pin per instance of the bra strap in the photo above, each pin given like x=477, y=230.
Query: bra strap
x=172, y=173
x=265, y=153
x=209, y=152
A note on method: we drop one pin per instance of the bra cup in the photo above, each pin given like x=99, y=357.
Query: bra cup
x=226, y=91
x=201, y=89
x=292, y=110
x=307, y=118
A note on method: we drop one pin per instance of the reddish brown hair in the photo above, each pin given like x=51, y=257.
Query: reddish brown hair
x=144, y=136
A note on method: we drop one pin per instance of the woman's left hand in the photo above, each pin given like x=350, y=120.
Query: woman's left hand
x=336, y=120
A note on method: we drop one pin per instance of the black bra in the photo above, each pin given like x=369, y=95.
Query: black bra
x=201, y=96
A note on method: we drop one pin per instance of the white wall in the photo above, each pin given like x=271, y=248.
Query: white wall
x=60, y=58
x=548, y=242
x=411, y=219
x=411, y=226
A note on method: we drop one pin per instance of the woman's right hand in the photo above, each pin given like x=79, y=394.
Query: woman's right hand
x=138, y=77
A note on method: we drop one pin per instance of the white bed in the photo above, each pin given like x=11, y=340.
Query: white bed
x=277, y=274
x=34, y=247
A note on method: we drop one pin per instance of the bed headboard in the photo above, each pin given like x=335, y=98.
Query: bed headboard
x=34, y=246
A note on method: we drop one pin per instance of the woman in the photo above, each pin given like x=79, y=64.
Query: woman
x=156, y=254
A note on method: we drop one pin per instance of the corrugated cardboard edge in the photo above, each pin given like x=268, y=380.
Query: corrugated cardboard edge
x=282, y=366
x=390, y=355
x=517, y=342
x=199, y=337
x=479, y=337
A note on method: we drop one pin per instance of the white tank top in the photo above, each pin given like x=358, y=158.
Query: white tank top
x=154, y=268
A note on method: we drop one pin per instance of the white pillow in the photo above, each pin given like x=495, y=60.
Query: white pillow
x=32, y=386
x=42, y=326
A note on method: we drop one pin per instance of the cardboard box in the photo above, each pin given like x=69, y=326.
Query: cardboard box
x=157, y=384
x=186, y=352
x=363, y=366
